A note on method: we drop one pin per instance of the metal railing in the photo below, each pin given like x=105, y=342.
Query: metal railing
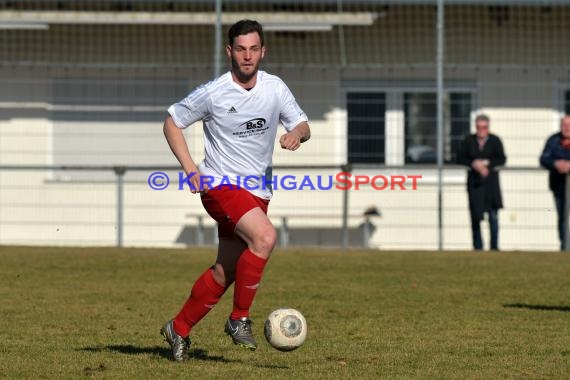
x=343, y=214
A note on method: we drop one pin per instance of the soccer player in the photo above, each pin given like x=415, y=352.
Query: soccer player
x=240, y=112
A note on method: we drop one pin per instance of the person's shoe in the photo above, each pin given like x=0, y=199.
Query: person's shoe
x=178, y=344
x=240, y=331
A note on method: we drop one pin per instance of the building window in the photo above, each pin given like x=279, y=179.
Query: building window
x=420, y=113
x=366, y=127
x=567, y=102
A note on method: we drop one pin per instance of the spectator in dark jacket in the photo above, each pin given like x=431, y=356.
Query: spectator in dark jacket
x=556, y=158
x=482, y=152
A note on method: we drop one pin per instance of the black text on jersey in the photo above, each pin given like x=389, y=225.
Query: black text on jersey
x=254, y=123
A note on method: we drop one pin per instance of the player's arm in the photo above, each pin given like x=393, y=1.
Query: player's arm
x=293, y=139
x=178, y=145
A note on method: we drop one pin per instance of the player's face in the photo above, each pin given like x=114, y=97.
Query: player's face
x=565, y=127
x=482, y=128
x=246, y=54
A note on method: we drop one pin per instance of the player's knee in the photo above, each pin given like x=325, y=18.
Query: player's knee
x=265, y=241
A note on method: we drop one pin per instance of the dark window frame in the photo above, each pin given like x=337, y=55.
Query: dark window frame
x=459, y=127
x=360, y=143
x=390, y=87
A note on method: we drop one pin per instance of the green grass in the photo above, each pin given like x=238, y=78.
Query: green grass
x=71, y=313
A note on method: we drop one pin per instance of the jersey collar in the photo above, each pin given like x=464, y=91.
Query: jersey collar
x=253, y=90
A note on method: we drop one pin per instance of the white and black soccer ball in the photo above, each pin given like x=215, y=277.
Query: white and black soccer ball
x=285, y=329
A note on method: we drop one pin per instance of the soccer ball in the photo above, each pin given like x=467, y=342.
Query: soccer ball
x=285, y=329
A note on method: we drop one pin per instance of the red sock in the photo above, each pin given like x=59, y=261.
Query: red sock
x=205, y=294
x=249, y=270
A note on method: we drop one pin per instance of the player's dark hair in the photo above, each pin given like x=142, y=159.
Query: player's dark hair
x=243, y=27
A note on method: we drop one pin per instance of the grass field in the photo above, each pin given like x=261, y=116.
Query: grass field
x=71, y=313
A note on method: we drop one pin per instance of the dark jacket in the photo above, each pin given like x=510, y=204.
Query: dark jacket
x=553, y=150
x=484, y=192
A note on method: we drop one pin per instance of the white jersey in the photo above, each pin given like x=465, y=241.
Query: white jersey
x=240, y=127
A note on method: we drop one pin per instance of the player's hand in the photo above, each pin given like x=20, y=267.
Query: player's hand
x=196, y=184
x=205, y=187
x=290, y=141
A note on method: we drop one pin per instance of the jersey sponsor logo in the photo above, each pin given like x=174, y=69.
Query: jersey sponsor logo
x=253, y=127
x=253, y=123
x=232, y=110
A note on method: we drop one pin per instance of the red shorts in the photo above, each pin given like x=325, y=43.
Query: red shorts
x=227, y=206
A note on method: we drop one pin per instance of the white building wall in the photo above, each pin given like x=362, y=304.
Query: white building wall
x=39, y=210
x=39, y=207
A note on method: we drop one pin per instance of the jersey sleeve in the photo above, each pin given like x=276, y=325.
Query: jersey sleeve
x=291, y=114
x=191, y=109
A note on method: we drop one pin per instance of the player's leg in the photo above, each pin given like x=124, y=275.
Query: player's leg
x=256, y=230
x=229, y=251
x=212, y=284
x=205, y=294
x=208, y=288
x=240, y=328
x=243, y=216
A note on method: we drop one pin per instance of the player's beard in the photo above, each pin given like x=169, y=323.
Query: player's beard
x=242, y=76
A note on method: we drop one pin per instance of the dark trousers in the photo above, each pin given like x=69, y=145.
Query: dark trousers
x=494, y=229
x=560, y=203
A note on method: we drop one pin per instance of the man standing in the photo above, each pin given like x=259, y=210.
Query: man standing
x=556, y=158
x=482, y=152
x=240, y=111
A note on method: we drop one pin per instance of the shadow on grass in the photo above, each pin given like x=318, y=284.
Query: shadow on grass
x=164, y=352
x=272, y=366
x=565, y=309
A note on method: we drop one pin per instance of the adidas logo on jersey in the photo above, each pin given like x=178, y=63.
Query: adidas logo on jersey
x=232, y=110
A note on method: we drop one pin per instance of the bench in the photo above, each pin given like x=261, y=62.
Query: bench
x=284, y=229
